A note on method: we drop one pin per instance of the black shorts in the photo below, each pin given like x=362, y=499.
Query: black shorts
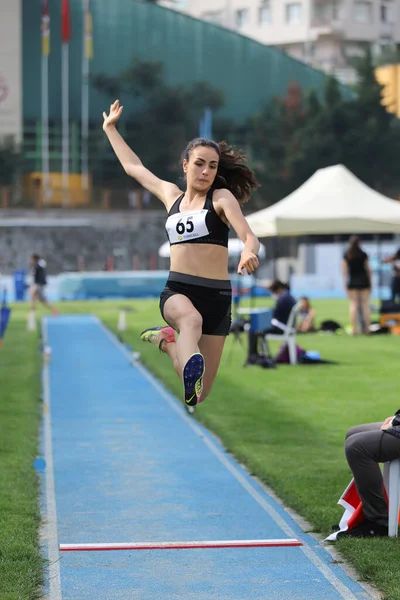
x=359, y=283
x=212, y=298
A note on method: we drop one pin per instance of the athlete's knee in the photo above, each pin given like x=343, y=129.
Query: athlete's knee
x=190, y=320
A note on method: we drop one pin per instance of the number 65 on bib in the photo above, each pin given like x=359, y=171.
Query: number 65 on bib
x=185, y=226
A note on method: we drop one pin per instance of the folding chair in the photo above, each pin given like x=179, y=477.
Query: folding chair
x=391, y=477
x=288, y=333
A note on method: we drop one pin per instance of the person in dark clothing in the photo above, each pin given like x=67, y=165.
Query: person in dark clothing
x=283, y=307
x=366, y=446
x=37, y=289
x=394, y=260
x=357, y=281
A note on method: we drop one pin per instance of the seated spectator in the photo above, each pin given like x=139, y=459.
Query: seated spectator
x=283, y=307
x=366, y=446
x=306, y=316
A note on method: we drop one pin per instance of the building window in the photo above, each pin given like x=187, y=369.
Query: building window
x=387, y=13
x=215, y=17
x=326, y=11
x=264, y=13
x=293, y=12
x=362, y=11
x=242, y=17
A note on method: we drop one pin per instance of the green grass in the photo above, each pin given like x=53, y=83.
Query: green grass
x=287, y=425
x=21, y=565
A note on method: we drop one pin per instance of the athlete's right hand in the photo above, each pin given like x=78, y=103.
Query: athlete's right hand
x=113, y=117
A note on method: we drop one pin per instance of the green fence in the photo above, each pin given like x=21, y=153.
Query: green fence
x=247, y=72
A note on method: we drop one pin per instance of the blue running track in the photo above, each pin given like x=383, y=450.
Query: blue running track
x=125, y=463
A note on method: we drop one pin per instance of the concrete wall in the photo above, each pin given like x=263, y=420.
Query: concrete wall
x=94, y=236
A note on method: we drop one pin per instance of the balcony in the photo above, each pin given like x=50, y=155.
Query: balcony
x=326, y=26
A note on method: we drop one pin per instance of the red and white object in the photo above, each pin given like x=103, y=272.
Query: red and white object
x=180, y=545
x=353, y=514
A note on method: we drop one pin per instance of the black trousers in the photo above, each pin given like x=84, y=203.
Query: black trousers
x=395, y=288
x=256, y=337
x=366, y=446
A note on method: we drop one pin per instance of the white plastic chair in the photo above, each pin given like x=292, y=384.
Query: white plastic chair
x=391, y=478
x=288, y=333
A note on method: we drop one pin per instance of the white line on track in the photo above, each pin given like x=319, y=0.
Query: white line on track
x=51, y=510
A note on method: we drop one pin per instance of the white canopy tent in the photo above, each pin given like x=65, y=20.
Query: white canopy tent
x=235, y=247
x=332, y=201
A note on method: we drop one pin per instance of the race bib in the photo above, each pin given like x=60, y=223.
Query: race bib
x=187, y=226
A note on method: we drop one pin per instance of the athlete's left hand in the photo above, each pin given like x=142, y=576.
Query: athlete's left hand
x=248, y=262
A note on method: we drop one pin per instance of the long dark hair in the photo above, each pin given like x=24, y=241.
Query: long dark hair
x=233, y=174
x=353, y=249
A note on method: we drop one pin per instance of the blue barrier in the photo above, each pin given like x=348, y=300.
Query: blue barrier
x=19, y=285
x=133, y=284
x=84, y=286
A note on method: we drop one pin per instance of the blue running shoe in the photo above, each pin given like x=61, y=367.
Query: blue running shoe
x=193, y=373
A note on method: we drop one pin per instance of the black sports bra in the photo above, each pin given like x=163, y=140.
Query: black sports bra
x=202, y=226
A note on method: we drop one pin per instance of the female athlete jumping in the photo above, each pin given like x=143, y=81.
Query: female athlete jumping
x=196, y=301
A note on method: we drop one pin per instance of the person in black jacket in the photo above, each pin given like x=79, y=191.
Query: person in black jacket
x=366, y=446
x=283, y=305
x=38, y=286
x=282, y=309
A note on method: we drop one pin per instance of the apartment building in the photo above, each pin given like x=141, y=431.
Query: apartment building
x=322, y=33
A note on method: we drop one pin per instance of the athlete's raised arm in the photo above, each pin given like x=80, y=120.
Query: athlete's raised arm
x=133, y=166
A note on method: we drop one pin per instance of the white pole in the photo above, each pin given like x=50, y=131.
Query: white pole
x=45, y=128
x=85, y=123
x=65, y=124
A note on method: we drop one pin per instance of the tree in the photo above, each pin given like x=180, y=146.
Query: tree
x=274, y=143
x=389, y=55
x=166, y=117
x=371, y=135
x=318, y=141
x=293, y=137
x=10, y=160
